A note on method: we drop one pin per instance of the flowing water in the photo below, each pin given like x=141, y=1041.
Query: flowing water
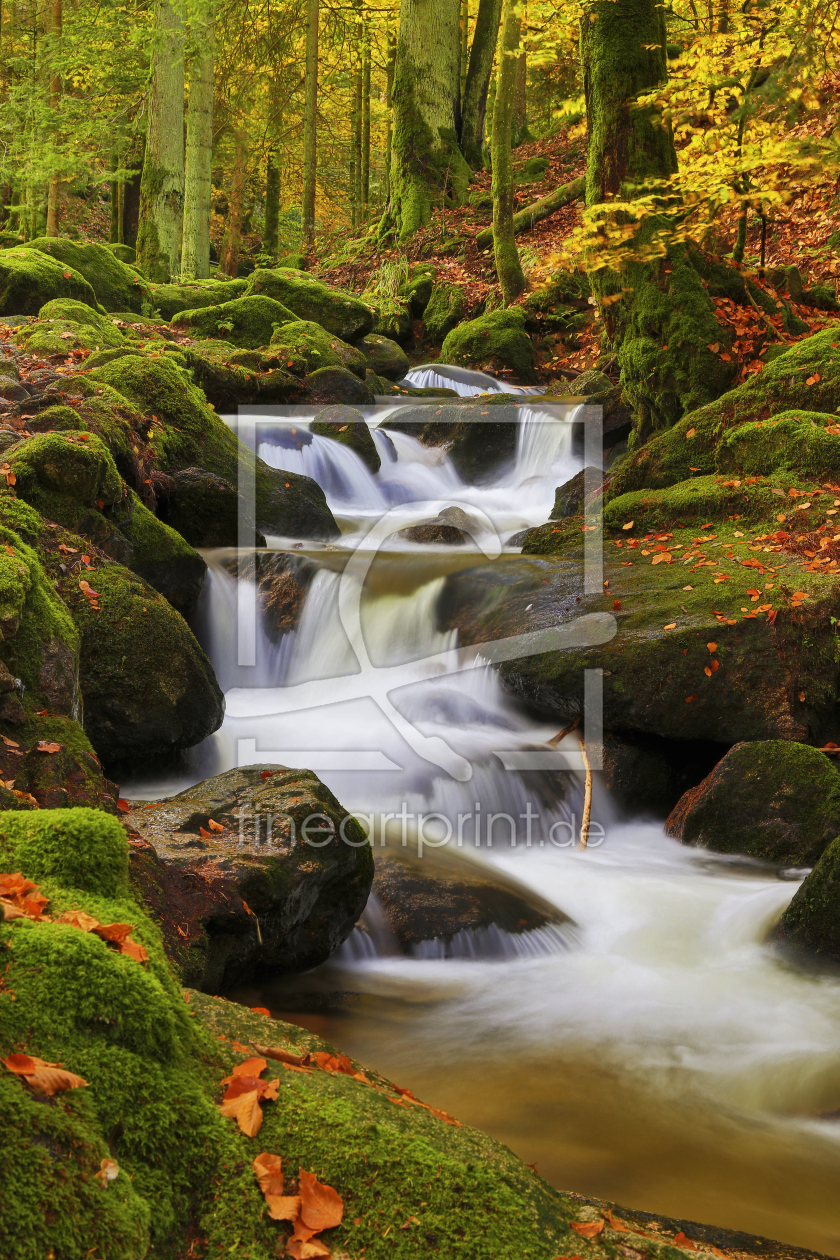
x=666, y=1057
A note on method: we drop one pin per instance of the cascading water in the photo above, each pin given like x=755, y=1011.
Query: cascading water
x=669, y=1058
x=464, y=381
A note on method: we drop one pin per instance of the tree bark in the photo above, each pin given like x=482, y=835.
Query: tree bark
x=357, y=146
x=366, y=124
x=114, y=227
x=310, y=124
x=195, y=261
x=463, y=56
x=508, y=267
x=54, y=194
x=389, y=106
x=271, y=237
x=236, y=205
x=520, y=101
x=426, y=163
x=477, y=82
x=130, y=203
x=162, y=184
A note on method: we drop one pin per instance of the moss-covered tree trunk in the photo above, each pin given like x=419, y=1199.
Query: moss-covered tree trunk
x=130, y=200
x=477, y=82
x=310, y=125
x=508, y=267
x=54, y=194
x=366, y=50
x=520, y=101
x=389, y=106
x=271, y=232
x=426, y=162
x=195, y=254
x=658, y=319
x=162, y=185
x=357, y=146
x=236, y=205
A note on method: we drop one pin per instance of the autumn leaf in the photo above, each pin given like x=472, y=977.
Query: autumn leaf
x=123, y=806
x=134, y=950
x=283, y=1207
x=205, y=835
x=112, y=933
x=46, y=747
x=261, y=1010
x=629, y=525
x=680, y=1240
x=306, y=1250
x=268, y=1169
x=44, y=1078
x=714, y=347
x=691, y=433
x=321, y=1207
x=617, y=604
x=78, y=919
x=245, y=1109
x=587, y=1229
x=215, y=826
x=109, y=1170
x=672, y=625
x=691, y=699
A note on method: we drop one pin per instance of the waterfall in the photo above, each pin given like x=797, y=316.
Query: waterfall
x=464, y=381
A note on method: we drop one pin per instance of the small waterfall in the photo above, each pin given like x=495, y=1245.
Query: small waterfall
x=464, y=381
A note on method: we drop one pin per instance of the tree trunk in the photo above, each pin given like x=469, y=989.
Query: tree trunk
x=195, y=261
x=508, y=267
x=130, y=204
x=310, y=124
x=526, y=218
x=366, y=124
x=426, y=163
x=357, y=147
x=162, y=185
x=389, y=105
x=114, y=188
x=657, y=317
x=463, y=55
x=271, y=236
x=520, y=101
x=236, y=205
x=54, y=194
x=477, y=83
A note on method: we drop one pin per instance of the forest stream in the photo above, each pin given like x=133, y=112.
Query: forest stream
x=656, y=1051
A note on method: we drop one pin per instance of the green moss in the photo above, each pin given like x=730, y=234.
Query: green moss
x=497, y=341
x=318, y=347
x=341, y=314
x=100, y=357
x=62, y=476
x=169, y=299
x=59, y=336
x=76, y=313
x=794, y=442
x=117, y=286
x=348, y=426
x=248, y=322
x=125, y=253
x=417, y=289
x=29, y=279
x=703, y=499
x=811, y=923
x=446, y=307
x=82, y=848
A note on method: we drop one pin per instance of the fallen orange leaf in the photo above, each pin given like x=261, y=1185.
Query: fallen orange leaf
x=45, y=1078
x=268, y=1170
x=321, y=1206
x=587, y=1229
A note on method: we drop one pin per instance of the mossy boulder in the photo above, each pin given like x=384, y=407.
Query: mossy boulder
x=306, y=887
x=392, y=319
x=68, y=777
x=125, y=253
x=569, y=499
x=232, y=378
x=337, y=385
x=805, y=380
x=773, y=799
x=64, y=475
x=169, y=299
x=417, y=289
x=29, y=279
x=248, y=322
x=206, y=510
x=59, y=336
x=348, y=427
x=495, y=342
x=152, y=548
x=317, y=347
x=811, y=923
x=383, y=356
x=445, y=308
x=117, y=286
x=77, y=313
x=340, y=313
x=148, y=688
x=795, y=442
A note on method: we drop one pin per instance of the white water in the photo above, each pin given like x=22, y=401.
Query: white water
x=671, y=1058
x=464, y=381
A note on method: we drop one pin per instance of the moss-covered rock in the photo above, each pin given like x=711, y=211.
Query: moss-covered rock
x=337, y=385
x=383, y=356
x=169, y=299
x=445, y=308
x=206, y=510
x=64, y=475
x=77, y=313
x=148, y=688
x=248, y=322
x=125, y=253
x=811, y=923
x=342, y=314
x=117, y=286
x=348, y=426
x=317, y=347
x=494, y=342
x=68, y=777
x=392, y=318
x=417, y=289
x=795, y=442
x=232, y=378
x=29, y=279
x=774, y=799
x=569, y=498
x=782, y=387
x=59, y=336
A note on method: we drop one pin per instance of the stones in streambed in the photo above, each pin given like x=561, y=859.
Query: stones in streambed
x=436, y=896
x=282, y=579
x=169, y=299
x=451, y=528
x=775, y=800
x=811, y=923
x=348, y=427
x=29, y=279
x=278, y=887
x=207, y=511
x=341, y=314
x=383, y=356
x=317, y=347
x=117, y=286
x=247, y=322
x=496, y=342
x=480, y=437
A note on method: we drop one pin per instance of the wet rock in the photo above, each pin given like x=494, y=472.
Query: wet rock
x=384, y=356
x=347, y=426
x=774, y=800
x=29, y=278
x=277, y=889
x=446, y=892
x=340, y=313
x=481, y=446
x=451, y=527
x=493, y=343
x=337, y=385
x=206, y=510
x=811, y=923
x=649, y=774
x=570, y=497
x=294, y=506
x=283, y=579
x=117, y=286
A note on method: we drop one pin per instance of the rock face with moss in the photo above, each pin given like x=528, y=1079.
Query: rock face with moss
x=341, y=314
x=232, y=378
x=318, y=348
x=29, y=279
x=445, y=307
x=384, y=356
x=774, y=800
x=207, y=511
x=286, y=846
x=494, y=342
x=811, y=923
x=248, y=322
x=169, y=299
x=117, y=286
x=348, y=427
x=337, y=385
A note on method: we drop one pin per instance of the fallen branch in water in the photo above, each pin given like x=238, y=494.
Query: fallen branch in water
x=525, y=219
x=555, y=740
x=587, y=795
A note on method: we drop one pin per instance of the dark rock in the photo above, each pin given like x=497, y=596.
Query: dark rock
x=774, y=800
x=337, y=385
x=344, y=425
x=646, y=773
x=811, y=923
x=570, y=497
x=261, y=896
x=451, y=527
x=384, y=356
x=294, y=506
x=480, y=447
x=283, y=579
x=205, y=510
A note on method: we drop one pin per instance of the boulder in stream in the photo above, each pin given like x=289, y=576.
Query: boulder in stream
x=256, y=869
x=811, y=923
x=348, y=427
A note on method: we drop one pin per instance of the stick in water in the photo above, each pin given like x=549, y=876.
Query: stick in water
x=587, y=795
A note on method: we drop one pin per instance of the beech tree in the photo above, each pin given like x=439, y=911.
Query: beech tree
x=508, y=267
x=477, y=84
x=162, y=185
x=195, y=262
x=310, y=122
